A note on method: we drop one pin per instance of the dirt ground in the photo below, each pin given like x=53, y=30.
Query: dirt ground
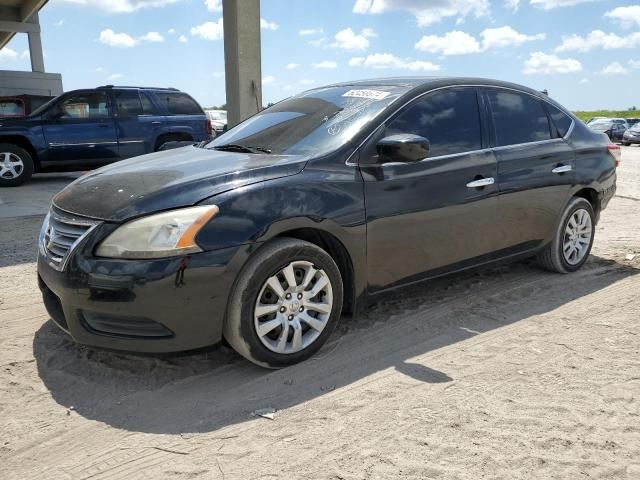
x=510, y=372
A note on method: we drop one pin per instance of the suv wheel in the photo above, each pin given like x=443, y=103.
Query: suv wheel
x=16, y=165
x=286, y=302
x=572, y=242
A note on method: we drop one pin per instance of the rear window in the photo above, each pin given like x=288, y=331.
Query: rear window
x=561, y=120
x=11, y=108
x=179, y=104
x=128, y=103
x=518, y=118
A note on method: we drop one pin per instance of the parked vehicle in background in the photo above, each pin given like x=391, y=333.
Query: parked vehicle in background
x=632, y=135
x=613, y=128
x=21, y=105
x=218, y=119
x=265, y=235
x=84, y=129
x=632, y=121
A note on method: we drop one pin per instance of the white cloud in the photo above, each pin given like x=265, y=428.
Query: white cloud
x=506, y=37
x=99, y=69
x=327, y=64
x=512, y=4
x=152, y=37
x=627, y=17
x=307, y=81
x=115, y=76
x=614, y=69
x=59, y=23
x=551, y=4
x=120, y=40
x=311, y=31
x=8, y=54
x=122, y=6
x=598, y=39
x=382, y=61
x=209, y=30
x=217, y=74
x=171, y=31
x=292, y=66
x=25, y=54
x=183, y=39
x=425, y=11
x=266, y=25
x=461, y=43
x=213, y=5
x=545, y=64
x=268, y=80
x=635, y=64
x=320, y=42
x=349, y=40
x=451, y=43
x=584, y=80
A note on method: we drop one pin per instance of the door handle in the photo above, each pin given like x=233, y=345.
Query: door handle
x=156, y=122
x=481, y=182
x=562, y=169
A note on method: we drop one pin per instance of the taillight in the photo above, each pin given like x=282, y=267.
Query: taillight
x=208, y=127
x=616, y=152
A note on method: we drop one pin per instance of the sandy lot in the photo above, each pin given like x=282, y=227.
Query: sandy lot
x=508, y=372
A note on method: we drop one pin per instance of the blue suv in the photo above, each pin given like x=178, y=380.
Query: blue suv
x=85, y=129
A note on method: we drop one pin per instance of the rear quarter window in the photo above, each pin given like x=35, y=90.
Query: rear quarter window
x=179, y=104
x=561, y=120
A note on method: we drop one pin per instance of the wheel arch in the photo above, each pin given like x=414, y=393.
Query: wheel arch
x=336, y=249
x=23, y=142
x=591, y=195
x=171, y=136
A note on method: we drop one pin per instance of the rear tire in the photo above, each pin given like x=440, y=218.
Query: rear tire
x=573, y=239
x=16, y=165
x=278, y=327
x=626, y=144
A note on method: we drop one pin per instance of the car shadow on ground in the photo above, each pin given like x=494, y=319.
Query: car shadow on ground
x=203, y=392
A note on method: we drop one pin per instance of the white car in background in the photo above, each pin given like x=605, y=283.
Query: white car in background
x=218, y=120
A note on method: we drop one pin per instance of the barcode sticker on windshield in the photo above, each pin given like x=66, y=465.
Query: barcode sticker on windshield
x=372, y=94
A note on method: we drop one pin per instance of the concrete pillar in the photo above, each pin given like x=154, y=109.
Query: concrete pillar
x=35, y=46
x=242, y=59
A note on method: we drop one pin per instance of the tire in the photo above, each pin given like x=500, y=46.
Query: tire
x=251, y=290
x=626, y=144
x=16, y=165
x=553, y=256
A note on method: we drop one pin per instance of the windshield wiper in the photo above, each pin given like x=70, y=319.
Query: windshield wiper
x=234, y=147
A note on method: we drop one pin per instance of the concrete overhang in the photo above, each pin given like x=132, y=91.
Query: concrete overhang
x=14, y=16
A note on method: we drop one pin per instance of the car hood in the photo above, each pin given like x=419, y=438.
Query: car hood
x=168, y=179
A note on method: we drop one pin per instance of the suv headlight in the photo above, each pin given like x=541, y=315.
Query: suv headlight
x=165, y=234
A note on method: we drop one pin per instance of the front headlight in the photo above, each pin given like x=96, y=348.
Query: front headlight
x=164, y=234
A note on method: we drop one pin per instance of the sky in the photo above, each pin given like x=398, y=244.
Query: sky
x=586, y=53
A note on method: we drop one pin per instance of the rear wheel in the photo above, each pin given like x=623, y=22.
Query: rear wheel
x=16, y=165
x=573, y=240
x=285, y=304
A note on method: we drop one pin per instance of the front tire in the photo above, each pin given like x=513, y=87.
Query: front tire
x=286, y=302
x=573, y=239
x=16, y=165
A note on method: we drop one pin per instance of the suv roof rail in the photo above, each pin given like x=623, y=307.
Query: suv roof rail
x=139, y=88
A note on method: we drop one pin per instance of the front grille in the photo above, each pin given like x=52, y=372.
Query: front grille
x=60, y=235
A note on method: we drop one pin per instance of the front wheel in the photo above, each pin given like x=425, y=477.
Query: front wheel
x=286, y=302
x=16, y=165
x=572, y=242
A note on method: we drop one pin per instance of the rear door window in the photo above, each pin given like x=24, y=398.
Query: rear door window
x=449, y=119
x=128, y=103
x=179, y=104
x=518, y=118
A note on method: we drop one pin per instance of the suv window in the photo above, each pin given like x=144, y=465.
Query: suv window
x=561, y=120
x=518, y=118
x=85, y=105
x=449, y=119
x=11, y=108
x=179, y=104
x=128, y=103
x=147, y=106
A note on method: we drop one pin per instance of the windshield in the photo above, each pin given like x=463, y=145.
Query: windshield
x=213, y=115
x=315, y=122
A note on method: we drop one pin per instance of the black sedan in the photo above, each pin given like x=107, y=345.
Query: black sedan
x=613, y=129
x=264, y=236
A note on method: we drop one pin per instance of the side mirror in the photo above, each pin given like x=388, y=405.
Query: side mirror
x=402, y=148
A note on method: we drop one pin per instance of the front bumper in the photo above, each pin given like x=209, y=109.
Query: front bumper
x=630, y=139
x=162, y=305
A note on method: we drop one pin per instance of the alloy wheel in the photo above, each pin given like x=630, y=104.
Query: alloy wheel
x=11, y=166
x=577, y=236
x=293, y=307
